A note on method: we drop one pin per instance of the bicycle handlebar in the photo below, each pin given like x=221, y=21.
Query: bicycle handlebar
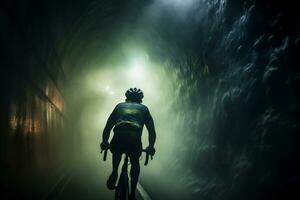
x=144, y=150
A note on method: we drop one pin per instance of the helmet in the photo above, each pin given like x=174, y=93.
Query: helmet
x=134, y=94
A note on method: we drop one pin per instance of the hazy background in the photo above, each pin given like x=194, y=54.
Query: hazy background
x=220, y=78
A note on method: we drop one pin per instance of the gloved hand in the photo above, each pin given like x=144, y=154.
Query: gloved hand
x=104, y=145
x=150, y=150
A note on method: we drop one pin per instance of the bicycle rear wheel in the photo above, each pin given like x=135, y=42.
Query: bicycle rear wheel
x=122, y=190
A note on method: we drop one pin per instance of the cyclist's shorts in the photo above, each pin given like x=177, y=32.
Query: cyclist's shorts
x=126, y=142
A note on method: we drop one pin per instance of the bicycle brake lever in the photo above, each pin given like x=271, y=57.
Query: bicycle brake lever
x=147, y=159
x=105, y=154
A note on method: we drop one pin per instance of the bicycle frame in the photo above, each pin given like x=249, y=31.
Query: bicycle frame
x=122, y=189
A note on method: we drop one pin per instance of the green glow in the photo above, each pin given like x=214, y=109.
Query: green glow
x=103, y=85
x=107, y=85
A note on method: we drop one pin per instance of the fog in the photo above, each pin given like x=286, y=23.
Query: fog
x=103, y=85
x=220, y=78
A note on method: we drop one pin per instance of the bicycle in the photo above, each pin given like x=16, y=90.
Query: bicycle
x=122, y=189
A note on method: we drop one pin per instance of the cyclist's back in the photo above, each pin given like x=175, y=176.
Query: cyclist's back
x=129, y=118
x=130, y=115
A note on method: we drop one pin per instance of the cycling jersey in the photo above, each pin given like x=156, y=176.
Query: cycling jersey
x=130, y=116
x=127, y=120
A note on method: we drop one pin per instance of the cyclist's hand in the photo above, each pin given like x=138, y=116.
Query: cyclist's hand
x=104, y=145
x=150, y=150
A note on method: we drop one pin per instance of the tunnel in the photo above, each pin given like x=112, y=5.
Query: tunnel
x=220, y=78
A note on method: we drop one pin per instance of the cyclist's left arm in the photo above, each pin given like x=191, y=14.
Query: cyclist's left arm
x=151, y=129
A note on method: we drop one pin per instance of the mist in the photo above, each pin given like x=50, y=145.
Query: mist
x=220, y=79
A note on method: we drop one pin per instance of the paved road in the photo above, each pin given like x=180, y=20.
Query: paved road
x=87, y=181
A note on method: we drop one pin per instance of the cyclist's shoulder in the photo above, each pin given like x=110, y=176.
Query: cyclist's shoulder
x=132, y=105
x=143, y=106
x=120, y=104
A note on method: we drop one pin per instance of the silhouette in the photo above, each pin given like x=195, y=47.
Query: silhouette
x=127, y=121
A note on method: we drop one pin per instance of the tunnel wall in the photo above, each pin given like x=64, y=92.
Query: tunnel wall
x=32, y=102
x=237, y=74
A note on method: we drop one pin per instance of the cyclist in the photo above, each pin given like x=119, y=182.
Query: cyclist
x=127, y=121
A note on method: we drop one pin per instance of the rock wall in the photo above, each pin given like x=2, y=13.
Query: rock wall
x=236, y=70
